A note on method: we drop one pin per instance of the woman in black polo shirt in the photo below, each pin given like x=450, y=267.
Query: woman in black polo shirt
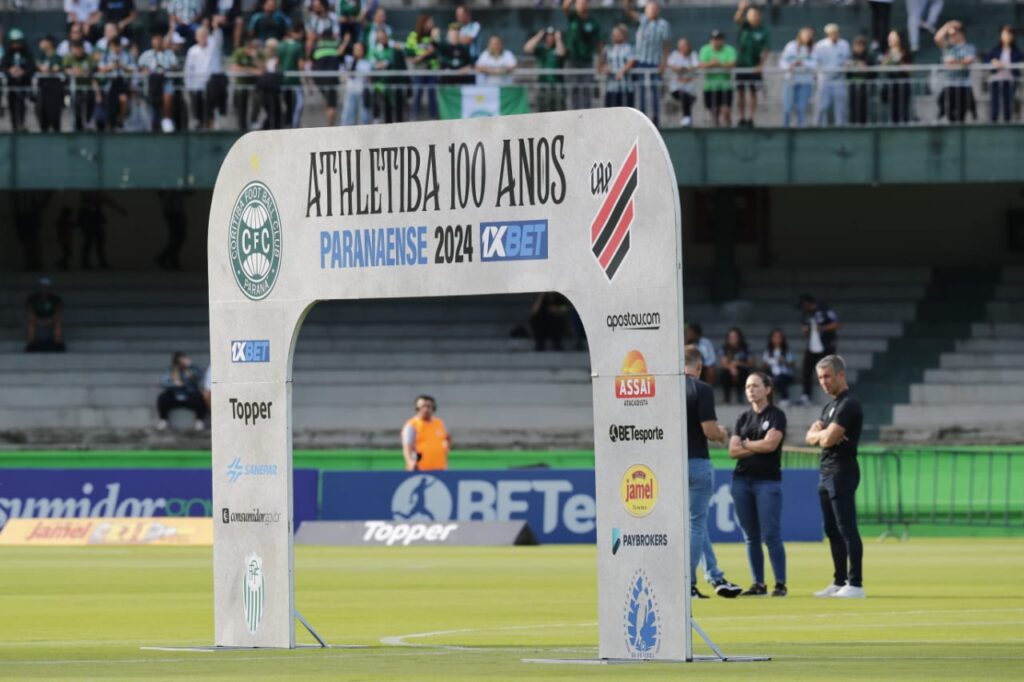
x=757, y=482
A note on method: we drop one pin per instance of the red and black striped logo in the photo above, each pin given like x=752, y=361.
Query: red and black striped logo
x=609, y=233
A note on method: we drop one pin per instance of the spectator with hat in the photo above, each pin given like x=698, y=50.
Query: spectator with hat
x=19, y=66
x=44, y=320
x=718, y=59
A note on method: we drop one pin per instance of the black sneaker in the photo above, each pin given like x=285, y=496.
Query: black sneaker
x=780, y=590
x=756, y=590
x=696, y=594
x=724, y=588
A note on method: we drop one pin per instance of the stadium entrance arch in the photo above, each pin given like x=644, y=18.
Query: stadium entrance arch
x=584, y=203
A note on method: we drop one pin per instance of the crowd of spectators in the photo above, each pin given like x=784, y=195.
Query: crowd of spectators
x=183, y=66
x=729, y=365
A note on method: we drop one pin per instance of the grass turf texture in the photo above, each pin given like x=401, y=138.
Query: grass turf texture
x=937, y=610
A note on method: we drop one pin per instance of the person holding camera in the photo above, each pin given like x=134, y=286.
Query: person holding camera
x=425, y=440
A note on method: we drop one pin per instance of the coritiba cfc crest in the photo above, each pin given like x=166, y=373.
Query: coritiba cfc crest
x=255, y=241
x=253, y=592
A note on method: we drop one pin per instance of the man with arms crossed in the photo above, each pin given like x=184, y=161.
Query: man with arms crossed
x=701, y=425
x=425, y=441
x=837, y=434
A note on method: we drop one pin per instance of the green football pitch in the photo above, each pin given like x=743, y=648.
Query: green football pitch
x=937, y=610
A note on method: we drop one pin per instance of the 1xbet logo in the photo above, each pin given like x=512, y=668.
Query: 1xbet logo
x=514, y=240
x=250, y=351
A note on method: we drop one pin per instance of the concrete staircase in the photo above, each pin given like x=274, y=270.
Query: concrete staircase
x=974, y=390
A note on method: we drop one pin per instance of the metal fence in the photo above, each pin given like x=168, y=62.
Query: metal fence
x=904, y=487
x=877, y=96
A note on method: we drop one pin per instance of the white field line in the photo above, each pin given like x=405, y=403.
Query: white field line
x=400, y=640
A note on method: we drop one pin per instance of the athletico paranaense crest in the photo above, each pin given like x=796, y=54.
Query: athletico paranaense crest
x=609, y=232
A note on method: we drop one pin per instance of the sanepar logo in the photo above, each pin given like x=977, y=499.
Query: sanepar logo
x=250, y=351
x=514, y=240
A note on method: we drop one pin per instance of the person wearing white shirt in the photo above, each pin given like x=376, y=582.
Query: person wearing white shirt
x=495, y=65
x=832, y=55
x=75, y=32
x=684, y=65
x=202, y=61
x=85, y=12
x=357, y=67
x=798, y=62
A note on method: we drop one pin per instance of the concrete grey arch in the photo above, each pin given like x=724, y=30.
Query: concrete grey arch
x=584, y=203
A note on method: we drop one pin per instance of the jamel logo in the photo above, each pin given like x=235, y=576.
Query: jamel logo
x=634, y=386
x=254, y=241
x=639, y=490
x=609, y=231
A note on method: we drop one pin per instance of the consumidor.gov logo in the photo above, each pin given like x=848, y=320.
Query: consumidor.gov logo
x=254, y=241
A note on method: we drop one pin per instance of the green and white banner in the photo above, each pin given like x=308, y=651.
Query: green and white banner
x=474, y=101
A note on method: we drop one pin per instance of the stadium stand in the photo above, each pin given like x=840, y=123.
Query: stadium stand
x=355, y=362
x=974, y=392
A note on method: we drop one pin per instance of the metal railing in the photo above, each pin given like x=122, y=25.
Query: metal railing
x=934, y=487
x=878, y=96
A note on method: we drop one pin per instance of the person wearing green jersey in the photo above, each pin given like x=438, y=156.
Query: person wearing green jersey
x=752, y=55
x=718, y=59
x=50, y=86
x=289, y=52
x=548, y=49
x=421, y=53
x=582, y=44
x=388, y=91
x=246, y=67
x=326, y=60
x=78, y=67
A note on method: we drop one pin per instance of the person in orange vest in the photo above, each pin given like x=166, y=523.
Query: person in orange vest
x=425, y=441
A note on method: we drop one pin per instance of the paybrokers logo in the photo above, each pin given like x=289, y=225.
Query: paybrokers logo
x=635, y=386
x=639, y=490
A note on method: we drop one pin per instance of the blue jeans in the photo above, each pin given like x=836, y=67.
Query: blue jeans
x=712, y=573
x=759, y=510
x=833, y=96
x=355, y=110
x=649, y=87
x=701, y=484
x=1002, y=93
x=795, y=99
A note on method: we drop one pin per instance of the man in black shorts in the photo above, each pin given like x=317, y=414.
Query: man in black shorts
x=837, y=433
x=751, y=55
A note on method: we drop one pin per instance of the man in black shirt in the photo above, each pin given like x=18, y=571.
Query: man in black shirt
x=820, y=324
x=837, y=433
x=701, y=425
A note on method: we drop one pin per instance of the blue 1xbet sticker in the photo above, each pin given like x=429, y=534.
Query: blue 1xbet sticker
x=250, y=351
x=514, y=240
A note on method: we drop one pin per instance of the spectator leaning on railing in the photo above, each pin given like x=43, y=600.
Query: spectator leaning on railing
x=19, y=66
x=684, y=63
x=496, y=64
x=719, y=59
x=859, y=75
x=50, y=86
x=957, y=96
x=1002, y=83
x=832, y=55
x=79, y=66
x=156, y=63
x=754, y=46
x=617, y=59
x=652, y=47
x=896, y=90
x=797, y=61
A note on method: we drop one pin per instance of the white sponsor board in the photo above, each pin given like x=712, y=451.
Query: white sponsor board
x=583, y=203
